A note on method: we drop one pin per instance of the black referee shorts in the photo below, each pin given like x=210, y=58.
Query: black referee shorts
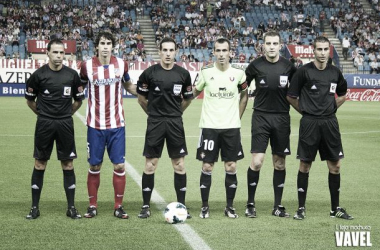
x=319, y=134
x=161, y=129
x=49, y=130
x=273, y=127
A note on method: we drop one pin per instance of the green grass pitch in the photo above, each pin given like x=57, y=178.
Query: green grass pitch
x=359, y=123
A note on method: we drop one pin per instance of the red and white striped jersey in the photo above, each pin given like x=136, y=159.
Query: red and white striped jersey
x=105, y=92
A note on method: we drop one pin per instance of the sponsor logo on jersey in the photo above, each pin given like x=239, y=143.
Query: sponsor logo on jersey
x=34, y=186
x=46, y=92
x=233, y=186
x=72, y=187
x=182, y=151
x=253, y=184
x=313, y=87
x=108, y=81
x=301, y=190
x=72, y=154
x=183, y=189
x=240, y=153
x=281, y=185
x=202, y=186
x=203, y=155
x=232, y=78
x=262, y=82
x=286, y=150
x=157, y=89
x=147, y=189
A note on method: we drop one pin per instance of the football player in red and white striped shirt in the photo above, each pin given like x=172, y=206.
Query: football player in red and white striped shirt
x=105, y=76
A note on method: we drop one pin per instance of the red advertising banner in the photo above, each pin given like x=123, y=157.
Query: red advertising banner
x=304, y=51
x=39, y=46
x=363, y=95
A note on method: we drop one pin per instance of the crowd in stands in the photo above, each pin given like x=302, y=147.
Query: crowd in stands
x=194, y=25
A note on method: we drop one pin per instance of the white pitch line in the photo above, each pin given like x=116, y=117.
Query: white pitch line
x=187, y=232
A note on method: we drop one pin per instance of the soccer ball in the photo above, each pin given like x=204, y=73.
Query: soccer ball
x=175, y=212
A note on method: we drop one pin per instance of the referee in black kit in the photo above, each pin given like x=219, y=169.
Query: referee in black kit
x=55, y=86
x=270, y=120
x=312, y=92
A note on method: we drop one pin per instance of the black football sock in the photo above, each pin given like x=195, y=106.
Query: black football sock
x=231, y=186
x=205, y=185
x=278, y=185
x=37, y=184
x=69, y=185
x=302, y=183
x=252, y=182
x=180, y=187
x=334, y=186
x=147, y=187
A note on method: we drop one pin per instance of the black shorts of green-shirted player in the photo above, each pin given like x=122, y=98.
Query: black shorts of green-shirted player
x=228, y=142
x=316, y=91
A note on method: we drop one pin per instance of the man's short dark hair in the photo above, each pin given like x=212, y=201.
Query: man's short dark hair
x=106, y=35
x=167, y=40
x=321, y=39
x=54, y=41
x=223, y=40
x=272, y=33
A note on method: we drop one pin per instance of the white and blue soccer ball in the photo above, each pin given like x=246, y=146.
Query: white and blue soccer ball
x=175, y=212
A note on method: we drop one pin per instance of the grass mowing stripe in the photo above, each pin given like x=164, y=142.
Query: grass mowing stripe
x=187, y=232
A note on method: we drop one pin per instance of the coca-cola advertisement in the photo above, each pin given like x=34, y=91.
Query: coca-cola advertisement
x=363, y=95
x=39, y=46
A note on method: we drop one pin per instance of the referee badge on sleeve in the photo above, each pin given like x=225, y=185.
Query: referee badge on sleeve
x=333, y=88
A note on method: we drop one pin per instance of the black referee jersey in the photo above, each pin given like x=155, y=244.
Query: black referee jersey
x=316, y=89
x=165, y=89
x=54, y=91
x=271, y=80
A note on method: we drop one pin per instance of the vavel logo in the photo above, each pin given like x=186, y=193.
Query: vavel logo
x=353, y=236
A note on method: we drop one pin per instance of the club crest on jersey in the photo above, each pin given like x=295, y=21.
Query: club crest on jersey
x=177, y=89
x=232, y=78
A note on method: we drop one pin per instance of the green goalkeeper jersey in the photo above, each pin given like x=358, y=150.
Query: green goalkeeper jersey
x=220, y=109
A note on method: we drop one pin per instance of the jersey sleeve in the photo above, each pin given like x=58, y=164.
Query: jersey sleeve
x=200, y=83
x=143, y=84
x=250, y=73
x=342, y=85
x=77, y=88
x=296, y=84
x=187, y=88
x=126, y=76
x=31, y=89
x=243, y=85
x=83, y=73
